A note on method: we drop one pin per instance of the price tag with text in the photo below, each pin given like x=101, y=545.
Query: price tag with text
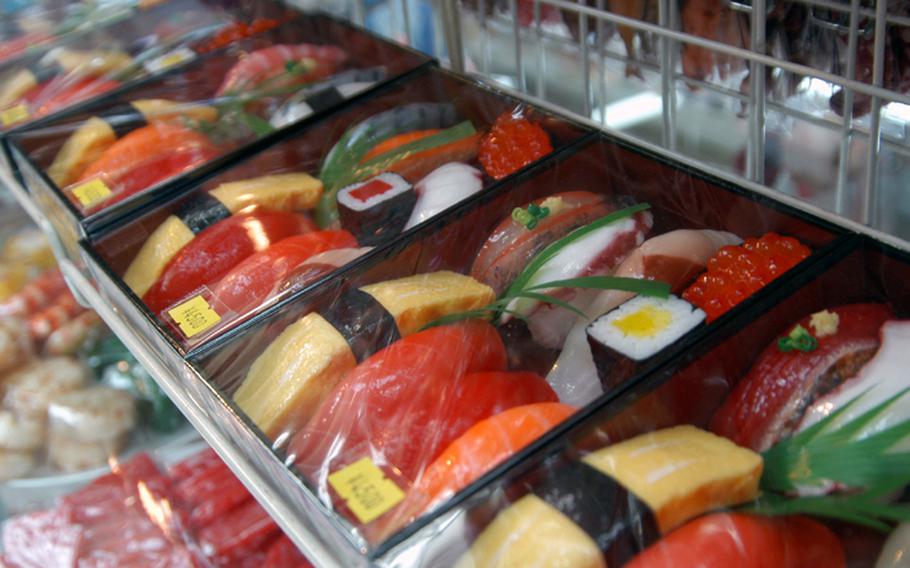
x=194, y=316
x=365, y=489
x=14, y=115
x=91, y=192
x=170, y=59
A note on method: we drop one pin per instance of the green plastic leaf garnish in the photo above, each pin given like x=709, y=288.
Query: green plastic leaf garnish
x=340, y=171
x=829, y=453
x=798, y=340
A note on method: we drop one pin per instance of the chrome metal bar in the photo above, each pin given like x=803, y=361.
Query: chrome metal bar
x=869, y=212
x=406, y=16
x=452, y=26
x=538, y=32
x=585, y=62
x=755, y=163
x=484, y=36
x=360, y=12
x=841, y=7
x=516, y=31
x=667, y=82
x=739, y=52
x=840, y=195
x=600, y=33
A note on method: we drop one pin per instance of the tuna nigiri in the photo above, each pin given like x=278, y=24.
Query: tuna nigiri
x=280, y=192
x=294, y=64
x=217, y=250
x=266, y=273
x=676, y=257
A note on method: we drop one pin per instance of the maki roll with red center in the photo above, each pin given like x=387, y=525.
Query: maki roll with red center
x=376, y=209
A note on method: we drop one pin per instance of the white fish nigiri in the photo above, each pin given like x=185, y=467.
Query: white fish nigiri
x=443, y=187
x=596, y=253
x=676, y=257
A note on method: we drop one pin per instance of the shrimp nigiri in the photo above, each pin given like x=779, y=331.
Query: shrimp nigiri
x=317, y=61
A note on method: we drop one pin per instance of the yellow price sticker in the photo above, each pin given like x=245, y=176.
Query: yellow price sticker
x=170, y=59
x=194, y=316
x=365, y=489
x=14, y=115
x=91, y=192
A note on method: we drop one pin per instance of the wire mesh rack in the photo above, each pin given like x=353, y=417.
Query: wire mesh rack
x=804, y=99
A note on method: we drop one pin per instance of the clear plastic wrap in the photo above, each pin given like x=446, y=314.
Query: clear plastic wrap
x=91, y=167
x=351, y=184
x=814, y=384
x=170, y=510
x=104, y=59
x=389, y=397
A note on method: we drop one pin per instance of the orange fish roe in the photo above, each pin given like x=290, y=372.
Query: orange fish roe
x=512, y=143
x=736, y=272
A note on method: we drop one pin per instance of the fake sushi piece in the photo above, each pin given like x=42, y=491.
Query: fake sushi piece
x=407, y=402
x=377, y=209
x=795, y=371
x=617, y=501
x=530, y=228
x=288, y=381
x=282, y=65
x=218, y=249
x=676, y=257
x=98, y=133
x=268, y=273
x=280, y=192
x=443, y=188
x=720, y=540
x=637, y=330
x=512, y=143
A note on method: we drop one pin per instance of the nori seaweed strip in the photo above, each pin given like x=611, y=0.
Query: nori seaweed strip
x=45, y=72
x=202, y=212
x=324, y=99
x=123, y=119
x=365, y=323
x=619, y=522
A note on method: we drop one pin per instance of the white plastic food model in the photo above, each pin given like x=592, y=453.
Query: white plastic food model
x=596, y=253
x=883, y=377
x=574, y=376
x=443, y=187
x=896, y=552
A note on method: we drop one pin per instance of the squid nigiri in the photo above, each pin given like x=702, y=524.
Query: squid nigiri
x=676, y=257
x=217, y=250
x=442, y=188
x=310, y=63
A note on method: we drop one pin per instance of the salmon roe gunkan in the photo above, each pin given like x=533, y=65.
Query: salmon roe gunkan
x=512, y=143
x=736, y=272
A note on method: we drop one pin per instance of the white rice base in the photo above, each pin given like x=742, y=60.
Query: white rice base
x=398, y=183
x=684, y=318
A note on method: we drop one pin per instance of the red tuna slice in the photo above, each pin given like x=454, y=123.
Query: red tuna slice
x=237, y=534
x=769, y=402
x=405, y=403
x=41, y=539
x=512, y=245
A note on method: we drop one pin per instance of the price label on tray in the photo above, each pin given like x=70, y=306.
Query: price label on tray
x=170, y=59
x=91, y=192
x=14, y=115
x=194, y=316
x=365, y=489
